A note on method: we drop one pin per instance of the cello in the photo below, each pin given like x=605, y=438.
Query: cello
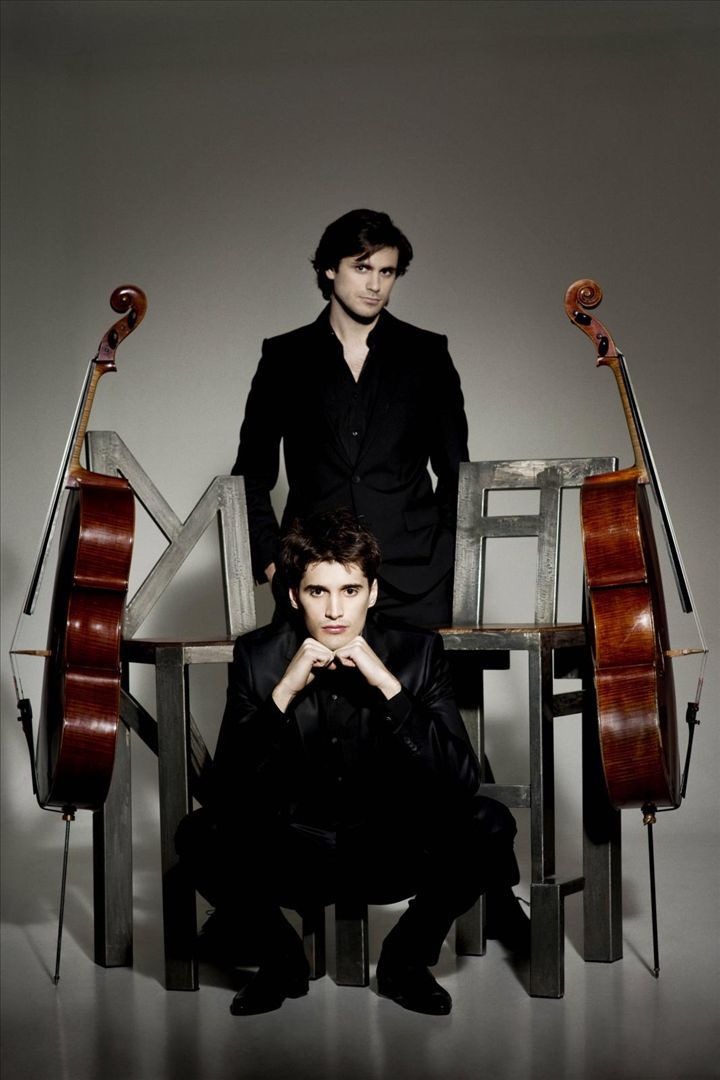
x=80, y=711
x=627, y=619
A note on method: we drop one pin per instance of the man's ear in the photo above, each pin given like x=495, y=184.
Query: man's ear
x=330, y=273
x=373, y=593
x=293, y=594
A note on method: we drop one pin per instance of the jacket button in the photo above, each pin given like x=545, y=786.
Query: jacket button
x=356, y=479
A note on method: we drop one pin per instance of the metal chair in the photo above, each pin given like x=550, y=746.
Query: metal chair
x=554, y=650
x=183, y=758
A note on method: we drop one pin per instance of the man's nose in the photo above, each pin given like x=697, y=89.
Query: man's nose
x=334, y=607
x=374, y=283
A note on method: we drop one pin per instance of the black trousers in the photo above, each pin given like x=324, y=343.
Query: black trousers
x=249, y=871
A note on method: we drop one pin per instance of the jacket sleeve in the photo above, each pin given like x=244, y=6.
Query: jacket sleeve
x=258, y=461
x=428, y=729
x=252, y=742
x=449, y=439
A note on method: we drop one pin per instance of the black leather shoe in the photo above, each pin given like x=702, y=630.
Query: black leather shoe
x=268, y=988
x=507, y=922
x=412, y=986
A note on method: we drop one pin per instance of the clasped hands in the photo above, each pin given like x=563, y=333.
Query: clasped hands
x=313, y=654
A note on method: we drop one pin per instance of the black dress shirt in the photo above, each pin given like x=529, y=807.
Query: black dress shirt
x=353, y=399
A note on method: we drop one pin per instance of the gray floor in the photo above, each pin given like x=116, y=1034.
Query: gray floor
x=615, y=1020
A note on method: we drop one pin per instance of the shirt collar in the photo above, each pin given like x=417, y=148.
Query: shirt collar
x=377, y=334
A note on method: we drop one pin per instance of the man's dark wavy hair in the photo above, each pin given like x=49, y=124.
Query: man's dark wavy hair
x=359, y=232
x=330, y=536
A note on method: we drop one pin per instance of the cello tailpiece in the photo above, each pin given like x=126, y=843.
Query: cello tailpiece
x=691, y=719
x=25, y=720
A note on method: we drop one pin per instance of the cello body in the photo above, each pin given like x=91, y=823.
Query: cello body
x=79, y=716
x=629, y=640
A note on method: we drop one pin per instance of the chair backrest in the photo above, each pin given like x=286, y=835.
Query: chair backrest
x=475, y=526
x=224, y=499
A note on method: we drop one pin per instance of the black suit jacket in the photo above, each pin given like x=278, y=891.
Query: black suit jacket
x=418, y=418
x=418, y=764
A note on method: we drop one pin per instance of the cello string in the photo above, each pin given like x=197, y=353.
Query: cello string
x=15, y=667
x=60, y=483
x=683, y=584
x=676, y=559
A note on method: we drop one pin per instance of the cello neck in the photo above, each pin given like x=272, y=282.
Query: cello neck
x=74, y=470
x=636, y=431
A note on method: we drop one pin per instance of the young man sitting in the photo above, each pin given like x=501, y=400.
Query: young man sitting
x=343, y=769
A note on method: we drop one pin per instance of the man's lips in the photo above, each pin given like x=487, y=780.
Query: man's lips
x=334, y=629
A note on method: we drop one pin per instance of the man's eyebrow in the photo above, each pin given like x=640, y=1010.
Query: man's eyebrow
x=364, y=260
x=347, y=585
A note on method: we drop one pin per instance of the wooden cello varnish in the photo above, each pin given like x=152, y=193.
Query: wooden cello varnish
x=79, y=715
x=627, y=615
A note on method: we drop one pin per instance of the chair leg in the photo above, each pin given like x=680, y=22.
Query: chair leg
x=351, y=943
x=547, y=941
x=313, y=932
x=112, y=865
x=470, y=931
x=547, y=935
x=179, y=918
x=602, y=853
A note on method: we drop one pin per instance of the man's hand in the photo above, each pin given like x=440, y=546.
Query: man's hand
x=311, y=654
x=270, y=571
x=358, y=654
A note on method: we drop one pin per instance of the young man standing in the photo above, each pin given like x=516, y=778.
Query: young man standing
x=361, y=403
x=343, y=769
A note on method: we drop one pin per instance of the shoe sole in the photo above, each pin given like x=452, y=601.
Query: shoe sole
x=293, y=990
x=387, y=990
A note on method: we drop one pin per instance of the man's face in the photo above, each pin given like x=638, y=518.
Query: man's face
x=362, y=283
x=334, y=600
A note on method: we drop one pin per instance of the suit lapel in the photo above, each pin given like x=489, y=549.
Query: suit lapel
x=376, y=638
x=304, y=709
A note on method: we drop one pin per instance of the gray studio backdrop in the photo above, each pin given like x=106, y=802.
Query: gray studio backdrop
x=199, y=149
